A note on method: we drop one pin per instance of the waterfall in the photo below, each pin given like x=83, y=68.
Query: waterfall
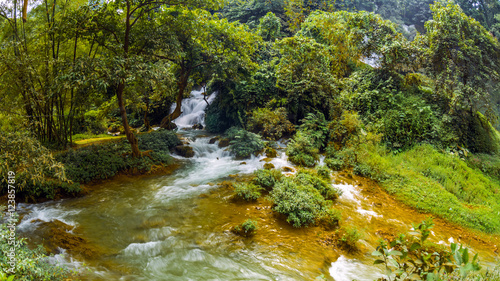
x=193, y=109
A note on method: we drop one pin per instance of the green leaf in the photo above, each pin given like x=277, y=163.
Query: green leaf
x=395, y=253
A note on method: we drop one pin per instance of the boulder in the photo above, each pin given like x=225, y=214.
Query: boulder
x=213, y=140
x=197, y=126
x=184, y=151
x=269, y=166
x=223, y=143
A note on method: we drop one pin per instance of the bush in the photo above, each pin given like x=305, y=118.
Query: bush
x=31, y=264
x=348, y=238
x=301, y=150
x=97, y=162
x=323, y=172
x=334, y=164
x=38, y=173
x=247, y=191
x=363, y=170
x=310, y=179
x=158, y=141
x=267, y=178
x=243, y=143
x=302, y=204
x=331, y=218
x=247, y=228
x=272, y=125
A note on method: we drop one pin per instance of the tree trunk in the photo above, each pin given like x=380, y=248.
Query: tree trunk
x=165, y=123
x=130, y=135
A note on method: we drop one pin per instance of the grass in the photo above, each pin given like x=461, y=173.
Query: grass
x=437, y=183
x=86, y=136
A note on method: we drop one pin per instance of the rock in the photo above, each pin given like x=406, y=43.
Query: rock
x=213, y=140
x=223, y=143
x=287, y=169
x=271, y=152
x=170, y=126
x=197, y=126
x=243, y=163
x=269, y=166
x=184, y=151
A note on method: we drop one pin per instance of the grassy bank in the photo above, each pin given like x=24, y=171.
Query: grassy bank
x=438, y=183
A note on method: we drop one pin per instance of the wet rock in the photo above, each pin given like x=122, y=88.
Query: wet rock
x=60, y=235
x=243, y=163
x=271, y=152
x=266, y=160
x=184, y=151
x=213, y=140
x=170, y=126
x=287, y=169
x=197, y=126
x=223, y=143
x=269, y=166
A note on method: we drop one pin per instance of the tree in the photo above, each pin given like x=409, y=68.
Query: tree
x=463, y=58
x=200, y=43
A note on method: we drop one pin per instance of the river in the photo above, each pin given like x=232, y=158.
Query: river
x=177, y=226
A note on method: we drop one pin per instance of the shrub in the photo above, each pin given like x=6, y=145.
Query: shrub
x=315, y=127
x=97, y=162
x=301, y=150
x=267, y=178
x=38, y=173
x=247, y=228
x=334, y=164
x=348, y=238
x=310, y=179
x=158, y=141
x=243, y=143
x=272, y=125
x=302, y=205
x=247, y=191
x=363, y=170
x=323, y=172
x=331, y=218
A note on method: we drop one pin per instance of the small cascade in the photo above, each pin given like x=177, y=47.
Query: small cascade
x=193, y=109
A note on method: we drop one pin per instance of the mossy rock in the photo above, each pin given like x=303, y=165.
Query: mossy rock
x=184, y=151
x=271, y=152
x=223, y=143
x=269, y=166
x=213, y=140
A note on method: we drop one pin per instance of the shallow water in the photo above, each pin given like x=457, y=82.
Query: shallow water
x=177, y=226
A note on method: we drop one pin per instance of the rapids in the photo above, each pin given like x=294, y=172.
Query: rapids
x=177, y=226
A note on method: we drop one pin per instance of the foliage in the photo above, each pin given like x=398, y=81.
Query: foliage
x=302, y=204
x=439, y=183
x=247, y=191
x=301, y=150
x=272, y=125
x=30, y=264
x=316, y=127
x=246, y=228
x=323, y=172
x=304, y=177
x=97, y=162
x=304, y=74
x=160, y=141
x=348, y=238
x=414, y=258
x=267, y=178
x=244, y=143
x=463, y=58
x=269, y=27
x=38, y=173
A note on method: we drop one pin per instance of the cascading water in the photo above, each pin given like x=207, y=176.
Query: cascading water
x=193, y=109
x=171, y=228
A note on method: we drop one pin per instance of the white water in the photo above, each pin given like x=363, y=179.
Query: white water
x=193, y=109
x=348, y=269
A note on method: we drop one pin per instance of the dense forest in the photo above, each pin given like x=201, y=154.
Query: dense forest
x=402, y=92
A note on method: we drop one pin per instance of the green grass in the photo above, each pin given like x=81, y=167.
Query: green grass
x=79, y=137
x=437, y=183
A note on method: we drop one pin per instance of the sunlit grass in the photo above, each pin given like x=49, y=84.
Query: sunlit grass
x=438, y=183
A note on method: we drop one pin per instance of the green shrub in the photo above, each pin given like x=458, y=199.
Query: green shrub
x=38, y=173
x=348, y=238
x=31, y=264
x=363, y=170
x=301, y=150
x=97, y=162
x=302, y=204
x=331, y=218
x=158, y=141
x=311, y=179
x=272, y=125
x=247, y=191
x=334, y=164
x=323, y=172
x=243, y=143
x=247, y=228
x=315, y=127
x=267, y=178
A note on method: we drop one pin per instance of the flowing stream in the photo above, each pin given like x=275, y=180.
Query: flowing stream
x=176, y=226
